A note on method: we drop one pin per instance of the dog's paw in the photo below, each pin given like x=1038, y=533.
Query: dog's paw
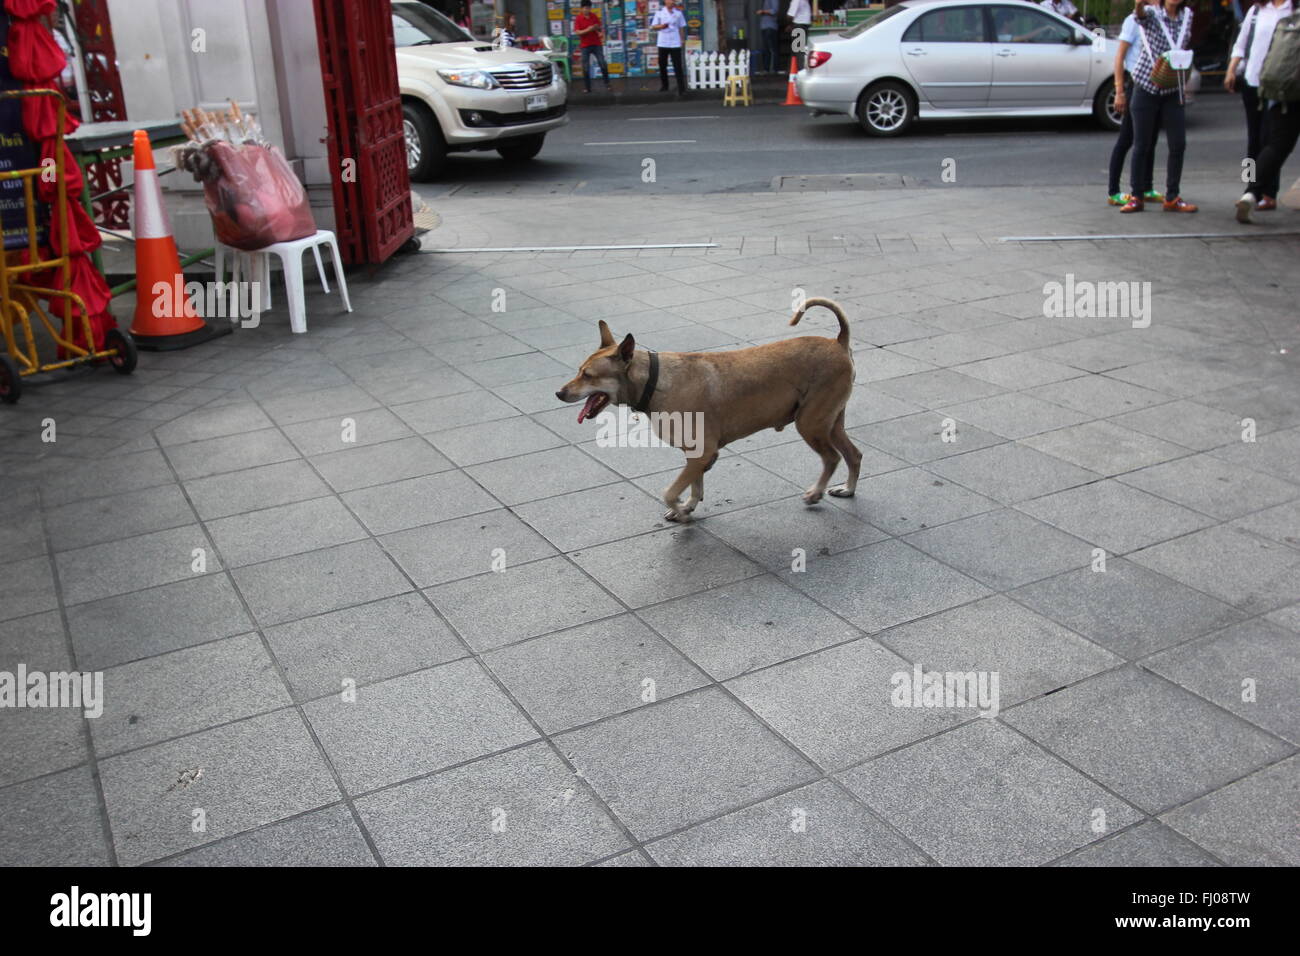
x=678, y=515
x=841, y=491
x=812, y=496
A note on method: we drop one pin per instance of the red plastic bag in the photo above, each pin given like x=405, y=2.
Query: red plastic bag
x=256, y=200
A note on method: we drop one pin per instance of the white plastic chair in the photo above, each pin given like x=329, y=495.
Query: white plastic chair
x=290, y=254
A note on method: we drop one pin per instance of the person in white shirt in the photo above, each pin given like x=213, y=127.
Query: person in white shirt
x=1064, y=7
x=670, y=25
x=505, y=34
x=1127, y=51
x=800, y=13
x=1244, y=68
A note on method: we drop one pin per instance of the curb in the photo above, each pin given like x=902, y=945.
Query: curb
x=767, y=89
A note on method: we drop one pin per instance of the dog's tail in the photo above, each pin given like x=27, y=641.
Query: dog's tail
x=843, y=337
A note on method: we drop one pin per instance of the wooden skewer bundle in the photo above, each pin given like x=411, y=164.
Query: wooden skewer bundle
x=202, y=128
x=231, y=125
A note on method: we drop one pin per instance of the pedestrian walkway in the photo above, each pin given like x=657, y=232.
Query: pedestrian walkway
x=373, y=594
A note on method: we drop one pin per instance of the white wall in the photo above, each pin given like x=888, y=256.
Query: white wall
x=261, y=53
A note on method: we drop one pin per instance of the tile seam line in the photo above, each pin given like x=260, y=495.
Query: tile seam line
x=477, y=658
x=259, y=630
x=97, y=782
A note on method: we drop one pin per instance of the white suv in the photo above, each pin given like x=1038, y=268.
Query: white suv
x=461, y=94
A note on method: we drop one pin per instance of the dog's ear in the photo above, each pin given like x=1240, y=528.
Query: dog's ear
x=606, y=336
x=625, y=348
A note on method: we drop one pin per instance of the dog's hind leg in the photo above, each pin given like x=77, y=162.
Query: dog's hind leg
x=817, y=433
x=852, y=458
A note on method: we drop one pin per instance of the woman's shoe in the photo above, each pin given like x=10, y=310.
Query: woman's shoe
x=1134, y=204
x=1244, y=206
x=1266, y=204
x=1179, y=204
x=1117, y=199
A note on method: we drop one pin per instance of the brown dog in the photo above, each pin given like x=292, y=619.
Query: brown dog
x=806, y=380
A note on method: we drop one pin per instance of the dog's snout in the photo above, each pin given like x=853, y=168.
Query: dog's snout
x=560, y=394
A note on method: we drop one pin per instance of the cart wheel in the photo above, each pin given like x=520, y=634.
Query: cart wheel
x=126, y=357
x=11, y=383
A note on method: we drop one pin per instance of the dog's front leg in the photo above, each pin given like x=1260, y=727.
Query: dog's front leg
x=693, y=475
x=697, y=495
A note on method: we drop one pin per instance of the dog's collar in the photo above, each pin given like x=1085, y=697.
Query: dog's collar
x=643, y=404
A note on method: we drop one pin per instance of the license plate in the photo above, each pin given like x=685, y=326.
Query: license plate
x=537, y=102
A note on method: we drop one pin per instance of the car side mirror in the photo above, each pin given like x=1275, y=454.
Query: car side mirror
x=1080, y=38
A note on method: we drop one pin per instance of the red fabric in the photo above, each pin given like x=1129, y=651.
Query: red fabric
x=41, y=113
x=83, y=236
x=88, y=284
x=28, y=9
x=34, y=57
x=48, y=189
x=584, y=20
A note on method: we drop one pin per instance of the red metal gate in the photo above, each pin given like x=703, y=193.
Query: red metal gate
x=104, y=85
x=372, y=192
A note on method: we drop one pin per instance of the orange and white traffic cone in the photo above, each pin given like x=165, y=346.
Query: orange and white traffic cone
x=791, y=94
x=164, y=316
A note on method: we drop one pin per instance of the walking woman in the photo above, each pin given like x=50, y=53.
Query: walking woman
x=1165, y=33
x=1244, y=71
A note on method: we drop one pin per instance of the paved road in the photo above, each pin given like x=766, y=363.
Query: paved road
x=703, y=148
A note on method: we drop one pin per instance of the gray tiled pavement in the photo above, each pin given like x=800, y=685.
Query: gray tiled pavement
x=348, y=680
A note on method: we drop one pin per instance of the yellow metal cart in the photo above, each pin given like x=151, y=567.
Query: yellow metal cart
x=19, y=300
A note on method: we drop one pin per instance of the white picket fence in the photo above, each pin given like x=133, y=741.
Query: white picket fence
x=709, y=70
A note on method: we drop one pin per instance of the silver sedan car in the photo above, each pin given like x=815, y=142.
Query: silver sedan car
x=949, y=59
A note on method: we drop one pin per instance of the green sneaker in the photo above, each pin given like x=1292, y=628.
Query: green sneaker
x=1152, y=196
x=1118, y=199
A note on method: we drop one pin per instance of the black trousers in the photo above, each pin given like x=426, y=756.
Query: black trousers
x=597, y=53
x=1281, y=130
x=1256, y=135
x=1152, y=111
x=771, y=48
x=1123, y=143
x=675, y=54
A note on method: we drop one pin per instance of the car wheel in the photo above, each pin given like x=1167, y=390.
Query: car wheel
x=522, y=149
x=426, y=150
x=886, y=109
x=1103, y=107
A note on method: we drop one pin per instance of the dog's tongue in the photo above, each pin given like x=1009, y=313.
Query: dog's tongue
x=587, y=409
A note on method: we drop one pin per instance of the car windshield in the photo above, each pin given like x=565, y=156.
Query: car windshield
x=414, y=24
x=866, y=25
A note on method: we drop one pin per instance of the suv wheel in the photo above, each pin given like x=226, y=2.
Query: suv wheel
x=886, y=109
x=522, y=149
x=1103, y=107
x=426, y=150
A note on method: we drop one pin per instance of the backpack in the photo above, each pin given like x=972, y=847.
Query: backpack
x=1280, y=77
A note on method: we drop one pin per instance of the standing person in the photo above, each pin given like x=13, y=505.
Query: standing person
x=1158, y=76
x=587, y=25
x=769, y=31
x=1253, y=41
x=800, y=13
x=670, y=25
x=1126, y=56
x=506, y=32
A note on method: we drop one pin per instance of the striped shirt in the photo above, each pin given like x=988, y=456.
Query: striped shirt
x=1155, y=43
